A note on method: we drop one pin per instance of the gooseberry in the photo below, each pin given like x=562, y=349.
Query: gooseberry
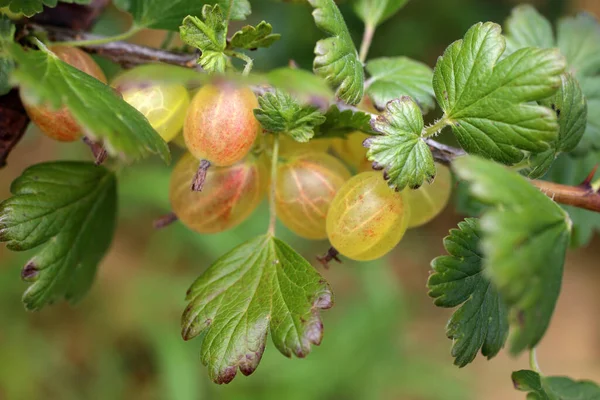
x=163, y=104
x=232, y=194
x=306, y=184
x=366, y=219
x=429, y=200
x=60, y=124
x=220, y=126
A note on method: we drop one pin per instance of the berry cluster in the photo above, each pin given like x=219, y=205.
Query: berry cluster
x=316, y=195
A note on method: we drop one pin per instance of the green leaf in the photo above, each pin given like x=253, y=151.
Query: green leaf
x=31, y=7
x=578, y=39
x=251, y=37
x=160, y=14
x=300, y=82
x=280, y=113
x=400, y=148
x=481, y=322
x=392, y=78
x=262, y=285
x=68, y=208
x=336, y=57
x=235, y=9
x=104, y=116
x=525, y=238
x=7, y=34
x=210, y=36
x=527, y=28
x=554, y=387
x=570, y=107
x=338, y=123
x=374, y=12
x=484, y=99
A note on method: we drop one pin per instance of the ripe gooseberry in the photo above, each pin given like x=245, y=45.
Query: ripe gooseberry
x=366, y=218
x=429, y=200
x=233, y=194
x=220, y=127
x=163, y=104
x=306, y=184
x=60, y=124
x=352, y=151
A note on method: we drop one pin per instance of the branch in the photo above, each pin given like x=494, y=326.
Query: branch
x=581, y=196
x=126, y=54
x=13, y=122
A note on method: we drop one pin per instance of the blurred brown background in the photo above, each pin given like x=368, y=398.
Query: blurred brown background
x=384, y=339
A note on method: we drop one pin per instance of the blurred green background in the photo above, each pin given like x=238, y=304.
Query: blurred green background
x=384, y=339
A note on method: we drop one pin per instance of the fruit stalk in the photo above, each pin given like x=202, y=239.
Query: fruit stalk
x=274, y=159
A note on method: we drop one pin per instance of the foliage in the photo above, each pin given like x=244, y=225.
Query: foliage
x=69, y=208
x=267, y=286
x=337, y=59
x=526, y=100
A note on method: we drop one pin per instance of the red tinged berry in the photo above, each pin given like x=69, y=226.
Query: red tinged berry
x=220, y=126
x=60, y=124
x=231, y=195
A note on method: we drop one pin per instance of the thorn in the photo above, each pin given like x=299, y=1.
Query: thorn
x=200, y=177
x=97, y=149
x=588, y=180
x=165, y=220
x=292, y=64
x=332, y=254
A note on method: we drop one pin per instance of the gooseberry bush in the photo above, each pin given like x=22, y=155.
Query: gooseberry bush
x=341, y=152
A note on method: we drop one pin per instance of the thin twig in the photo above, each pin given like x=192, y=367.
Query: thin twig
x=126, y=54
x=366, y=41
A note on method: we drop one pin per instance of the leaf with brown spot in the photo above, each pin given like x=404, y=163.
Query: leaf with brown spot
x=260, y=286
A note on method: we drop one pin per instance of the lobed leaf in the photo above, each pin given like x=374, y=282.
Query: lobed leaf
x=251, y=37
x=554, y=387
x=484, y=99
x=579, y=41
x=481, y=321
x=338, y=122
x=526, y=27
x=374, y=12
x=210, y=36
x=395, y=77
x=280, y=113
x=69, y=209
x=262, y=285
x=525, y=238
x=235, y=9
x=105, y=117
x=570, y=107
x=336, y=57
x=160, y=14
x=400, y=148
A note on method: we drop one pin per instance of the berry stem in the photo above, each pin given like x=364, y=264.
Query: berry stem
x=533, y=362
x=246, y=59
x=200, y=177
x=97, y=149
x=366, y=41
x=274, y=159
x=332, y=254
x=165, y=220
